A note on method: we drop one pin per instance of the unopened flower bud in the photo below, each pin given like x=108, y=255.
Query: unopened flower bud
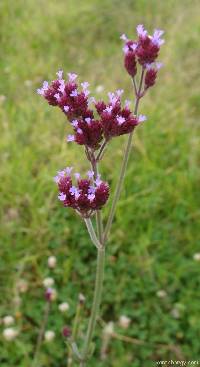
x=8, y=320
x=130, y=63
x=81, y=298
x=52, y=262
x=50, y=294
x=124, y=321
x=150, y=78
x=66, y=332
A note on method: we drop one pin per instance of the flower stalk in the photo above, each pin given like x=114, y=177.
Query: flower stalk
x=124, y=162
x=96, y=302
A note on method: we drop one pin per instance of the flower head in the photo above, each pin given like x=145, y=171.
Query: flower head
x=63, y=307
x=86, y=196
x=116, y=119
x=49, y=335
x=124, y=321
x=144, y=51
x=52, y=262
x=8, y=320
x=10, y=334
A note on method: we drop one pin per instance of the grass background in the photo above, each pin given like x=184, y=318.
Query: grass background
x=156, y=230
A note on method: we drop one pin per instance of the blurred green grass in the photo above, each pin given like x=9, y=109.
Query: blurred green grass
x=156, y=229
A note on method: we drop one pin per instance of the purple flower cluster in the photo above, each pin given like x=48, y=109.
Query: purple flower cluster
x=87, y=196
x=95, y=123
x=143, y=51
x=90, y=126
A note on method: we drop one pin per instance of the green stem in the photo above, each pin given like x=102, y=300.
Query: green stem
x=99, y=222
x=91, y=232
x=41, y=335
x=96, y=302
x=124, y=165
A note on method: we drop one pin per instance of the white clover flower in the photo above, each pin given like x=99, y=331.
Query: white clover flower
x=8, y=320
x=99, y=88
x=109, y=328
x=63, y=307
x=124, y=321
x=49, y=335
x=10, y=334
x=52, y=262
x=196, y=256
x=48, y=282
x=161, y=293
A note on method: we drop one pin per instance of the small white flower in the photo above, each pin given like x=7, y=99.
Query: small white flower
x=99, y=88
x=109, y=328
x=9, y=334
x=196, y=256
x=49, y=335
x=124, y=321
x=161, y=293
x=8, y=320
x=48, y=282
x=63, y=307
x=52, y=262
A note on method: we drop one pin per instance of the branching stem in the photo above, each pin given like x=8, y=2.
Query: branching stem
x=123, y=166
